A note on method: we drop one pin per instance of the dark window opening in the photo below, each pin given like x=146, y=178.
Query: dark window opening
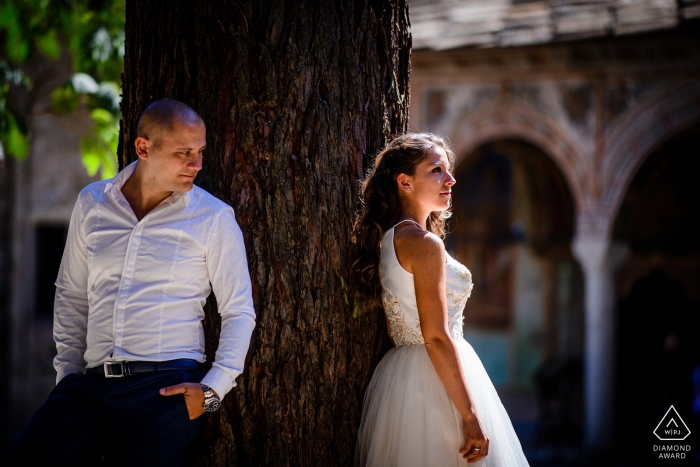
x=50, y=241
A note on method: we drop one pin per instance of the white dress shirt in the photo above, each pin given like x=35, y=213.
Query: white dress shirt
x=130, y=290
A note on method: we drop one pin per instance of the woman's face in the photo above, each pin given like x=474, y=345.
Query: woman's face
x=431, y=184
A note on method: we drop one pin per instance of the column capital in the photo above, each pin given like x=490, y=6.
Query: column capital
x=594, y=223
x=593, y=246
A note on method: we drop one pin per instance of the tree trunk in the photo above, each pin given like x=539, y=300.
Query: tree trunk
x=297, y=97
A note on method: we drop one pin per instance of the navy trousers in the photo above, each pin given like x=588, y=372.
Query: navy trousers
x=91, y=420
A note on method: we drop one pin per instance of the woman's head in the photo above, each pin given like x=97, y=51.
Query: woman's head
x=412, y=171
x=428, y=189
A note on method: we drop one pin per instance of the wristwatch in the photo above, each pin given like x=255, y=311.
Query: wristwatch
x=212, y=403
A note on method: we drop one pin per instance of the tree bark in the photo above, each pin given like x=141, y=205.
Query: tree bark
x=298, y=96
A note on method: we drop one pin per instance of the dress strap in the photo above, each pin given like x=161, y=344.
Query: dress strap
x=408, y=220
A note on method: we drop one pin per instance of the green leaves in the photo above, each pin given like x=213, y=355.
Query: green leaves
x=93, y=32
x=15, y=143
x=12, y=131
x=16, y=41
x=49, y=45
x=65, y=100
x=100, y=147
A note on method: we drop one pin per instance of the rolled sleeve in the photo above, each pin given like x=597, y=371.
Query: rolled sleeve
x=227, y=265
x=71, y=301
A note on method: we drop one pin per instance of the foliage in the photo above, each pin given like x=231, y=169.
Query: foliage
x=93, y=32
x=100, y=147
x=12, y=130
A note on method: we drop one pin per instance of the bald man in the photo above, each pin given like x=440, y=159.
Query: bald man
x=143, y=252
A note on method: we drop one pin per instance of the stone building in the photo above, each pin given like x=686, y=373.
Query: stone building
x=37, y=196
x=576, y=126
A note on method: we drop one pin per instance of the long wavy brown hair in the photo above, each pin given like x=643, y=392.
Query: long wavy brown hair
x=381, y=207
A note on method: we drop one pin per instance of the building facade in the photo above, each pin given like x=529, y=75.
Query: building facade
x=575, y=186
x=37, y=198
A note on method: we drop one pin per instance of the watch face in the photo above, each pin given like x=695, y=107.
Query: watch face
x=211, y=401
x=212, y=405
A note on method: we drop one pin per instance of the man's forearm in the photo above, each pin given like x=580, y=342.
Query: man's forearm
x=230, y=280
x=69, y=331
x=234, y=341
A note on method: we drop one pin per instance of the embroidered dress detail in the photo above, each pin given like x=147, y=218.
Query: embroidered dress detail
x=457, y=299
x=400, y=331
x=402, y=313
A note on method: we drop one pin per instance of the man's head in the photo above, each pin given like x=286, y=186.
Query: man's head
x=170, y=140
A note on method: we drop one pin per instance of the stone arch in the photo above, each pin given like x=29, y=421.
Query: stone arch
x=513, y=222
x=643, y=128
x=657, y=285
x=510, y=120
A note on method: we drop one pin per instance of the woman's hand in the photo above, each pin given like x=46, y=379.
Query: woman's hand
x=476, y=443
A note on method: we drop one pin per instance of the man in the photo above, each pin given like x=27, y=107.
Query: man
x=144, y=250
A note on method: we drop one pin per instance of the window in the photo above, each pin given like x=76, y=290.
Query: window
x=50, y=241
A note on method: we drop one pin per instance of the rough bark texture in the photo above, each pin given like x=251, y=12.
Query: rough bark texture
x=297, y=97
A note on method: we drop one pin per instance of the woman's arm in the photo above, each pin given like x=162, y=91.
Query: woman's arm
x=423, y=254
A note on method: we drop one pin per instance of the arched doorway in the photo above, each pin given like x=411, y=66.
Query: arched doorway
x=658, y=287
x=512, y=225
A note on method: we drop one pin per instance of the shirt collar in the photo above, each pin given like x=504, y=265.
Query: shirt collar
x=115, y=185
x=120, y=179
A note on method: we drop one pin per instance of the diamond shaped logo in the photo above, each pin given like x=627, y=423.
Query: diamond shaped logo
x=672, y=427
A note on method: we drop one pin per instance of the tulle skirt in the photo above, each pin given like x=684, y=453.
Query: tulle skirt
x=409, y=420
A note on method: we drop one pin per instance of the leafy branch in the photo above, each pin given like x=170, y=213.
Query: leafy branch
x=12, y=130
x=93, y=32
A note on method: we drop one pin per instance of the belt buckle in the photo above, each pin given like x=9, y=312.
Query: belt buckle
x=110, y=368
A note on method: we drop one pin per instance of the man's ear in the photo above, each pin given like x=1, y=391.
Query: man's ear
x=143, y=147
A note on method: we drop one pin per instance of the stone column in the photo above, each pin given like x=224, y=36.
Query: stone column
x=599, y=259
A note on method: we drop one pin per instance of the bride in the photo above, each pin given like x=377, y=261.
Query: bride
x=430, y=402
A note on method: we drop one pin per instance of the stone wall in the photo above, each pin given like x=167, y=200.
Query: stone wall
x=46, y=185
x=6, y=199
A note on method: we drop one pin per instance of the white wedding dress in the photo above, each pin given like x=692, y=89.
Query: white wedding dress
x=408, y=419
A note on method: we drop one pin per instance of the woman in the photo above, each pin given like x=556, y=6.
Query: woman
x=430, y=401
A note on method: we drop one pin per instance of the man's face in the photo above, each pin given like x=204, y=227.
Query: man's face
x=175, y=160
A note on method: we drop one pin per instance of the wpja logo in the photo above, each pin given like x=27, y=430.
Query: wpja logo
x=672, y=428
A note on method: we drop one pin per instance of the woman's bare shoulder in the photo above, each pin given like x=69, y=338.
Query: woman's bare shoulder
x=415, y=245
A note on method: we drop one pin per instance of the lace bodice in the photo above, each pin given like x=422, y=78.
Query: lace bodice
x=399, y=296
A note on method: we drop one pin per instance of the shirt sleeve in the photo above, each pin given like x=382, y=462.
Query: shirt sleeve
x=71, y=301
x=228, y=273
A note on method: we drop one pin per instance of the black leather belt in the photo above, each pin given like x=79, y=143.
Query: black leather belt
x=121, y=369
